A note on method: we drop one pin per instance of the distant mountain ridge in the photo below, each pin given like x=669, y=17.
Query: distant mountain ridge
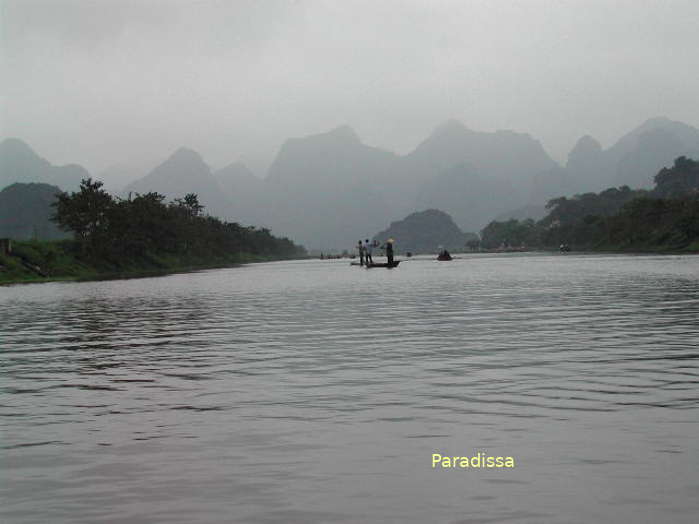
x=181, y=173
x=328, y=189
x=245, y=192
x=499, y=154
x=635, y=158
x=19, y=163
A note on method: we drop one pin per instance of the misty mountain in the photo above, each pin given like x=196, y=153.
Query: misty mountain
x=424, y=232
x=247, y=194
x=505, y=155
x=329, y=189
x=467, y=196
x=25, y=211
x=512, y=158
x=587, y=169
x=182, y=173
x=628, y=144
x=654, y=150
x=19, y=163
x=475, y=176
x=329, y=159
x=634, y=159
x=117, y=177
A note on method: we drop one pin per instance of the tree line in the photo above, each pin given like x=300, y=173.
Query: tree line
x=666, y=217
x=120, y=231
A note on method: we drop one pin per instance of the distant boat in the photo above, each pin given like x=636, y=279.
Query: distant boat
x=444, y=255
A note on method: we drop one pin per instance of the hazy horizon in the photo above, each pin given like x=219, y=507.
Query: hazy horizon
x=129, y=82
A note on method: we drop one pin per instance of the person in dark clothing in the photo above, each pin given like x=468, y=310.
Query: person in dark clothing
x=389, y=251
x=360, y=248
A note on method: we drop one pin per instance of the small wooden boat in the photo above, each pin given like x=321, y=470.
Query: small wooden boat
x=384, y=264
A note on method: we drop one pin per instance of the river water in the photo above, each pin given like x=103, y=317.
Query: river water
x=312, y=391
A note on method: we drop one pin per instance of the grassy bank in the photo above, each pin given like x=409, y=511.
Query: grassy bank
x=48, y=261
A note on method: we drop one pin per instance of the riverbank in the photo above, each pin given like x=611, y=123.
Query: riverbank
x=46, y=261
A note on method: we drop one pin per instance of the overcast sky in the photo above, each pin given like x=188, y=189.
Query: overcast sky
x=107, y=82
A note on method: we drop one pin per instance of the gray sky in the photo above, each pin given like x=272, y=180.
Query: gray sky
x=107, y=82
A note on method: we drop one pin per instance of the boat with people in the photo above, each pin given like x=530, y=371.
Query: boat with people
x=377, y=264
x=366, y=260
x=444, y=255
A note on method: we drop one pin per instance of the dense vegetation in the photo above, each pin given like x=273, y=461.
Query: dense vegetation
x=142, y=233
x=665, y=218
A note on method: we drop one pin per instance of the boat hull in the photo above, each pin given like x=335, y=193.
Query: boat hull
x=384, y=264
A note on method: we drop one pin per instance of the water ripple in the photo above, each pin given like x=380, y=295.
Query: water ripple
x=289, y=391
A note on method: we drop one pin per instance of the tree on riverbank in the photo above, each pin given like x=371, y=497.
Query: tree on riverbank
x=118, y=232
x=618, y=218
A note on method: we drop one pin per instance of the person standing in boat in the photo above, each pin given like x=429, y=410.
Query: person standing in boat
x=367, y=253
x=360, y=248
x=389, y=251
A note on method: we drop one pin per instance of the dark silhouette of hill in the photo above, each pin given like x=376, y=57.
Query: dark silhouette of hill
x=425, y=232
x=19, y=163
x=182, y=173
x=25, y=211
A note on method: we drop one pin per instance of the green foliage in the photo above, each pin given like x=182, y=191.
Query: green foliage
x=681, y=180
x=144, y=233
x=512, y=233
x=55, y=260
x=567, y=211
x=617, y=218
x=85, y=212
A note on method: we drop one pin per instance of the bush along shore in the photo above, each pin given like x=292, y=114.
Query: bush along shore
x=664, y=219
x=137, y=236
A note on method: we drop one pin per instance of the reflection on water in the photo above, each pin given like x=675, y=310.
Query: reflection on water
x=313, y=391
